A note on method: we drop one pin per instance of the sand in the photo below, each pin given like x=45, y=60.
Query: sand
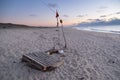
x=90, y=55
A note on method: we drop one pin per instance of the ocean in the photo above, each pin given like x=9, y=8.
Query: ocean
x=106, y=29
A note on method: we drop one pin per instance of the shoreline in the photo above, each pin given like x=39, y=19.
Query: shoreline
x=98, y=30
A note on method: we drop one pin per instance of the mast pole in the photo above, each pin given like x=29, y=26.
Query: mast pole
x=57, y=17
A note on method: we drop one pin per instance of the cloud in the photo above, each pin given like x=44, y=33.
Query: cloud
x=98, y=22
x=103, y=16
x=94, y=20
x=33, y=15
x=118, y=13
x=81, y=15
x=65, y=16
x=103, y=7
x=99, y=11
x=90, y=19
x=52, y=5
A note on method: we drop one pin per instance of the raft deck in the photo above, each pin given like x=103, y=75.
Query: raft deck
x=42, y=61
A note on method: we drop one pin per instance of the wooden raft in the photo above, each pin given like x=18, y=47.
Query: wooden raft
x=42, y=61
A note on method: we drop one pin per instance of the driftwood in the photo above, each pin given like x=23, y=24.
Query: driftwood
x=42, y=61
x=52, y=51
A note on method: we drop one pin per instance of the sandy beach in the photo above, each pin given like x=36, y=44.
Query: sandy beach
x=90, y=55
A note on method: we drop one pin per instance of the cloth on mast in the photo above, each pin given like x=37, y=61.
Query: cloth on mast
x=61, y=21
x=57, y=14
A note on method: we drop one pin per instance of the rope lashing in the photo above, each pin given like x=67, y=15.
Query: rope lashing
x=61, y=21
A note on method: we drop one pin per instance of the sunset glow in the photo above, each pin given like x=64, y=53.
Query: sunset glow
x=37, y=13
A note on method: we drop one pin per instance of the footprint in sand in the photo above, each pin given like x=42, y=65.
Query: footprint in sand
x=83, y=63
x=35, y=33
x=42, y=36
x=89, y=60
x=96, y=68
x=113, y=61
x=116, y=74
x=2, y=50
x=74, y=63
x=93, y=74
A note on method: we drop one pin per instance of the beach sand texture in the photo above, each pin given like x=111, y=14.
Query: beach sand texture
x=90, y=55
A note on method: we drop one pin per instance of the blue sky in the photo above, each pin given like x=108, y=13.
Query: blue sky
x=37, y=13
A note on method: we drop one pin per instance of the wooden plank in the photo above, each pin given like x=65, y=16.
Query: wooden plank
x=44, y=60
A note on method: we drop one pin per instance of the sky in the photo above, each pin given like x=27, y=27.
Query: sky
x=72, y=12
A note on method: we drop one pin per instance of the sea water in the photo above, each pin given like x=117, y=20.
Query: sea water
x=105, y=29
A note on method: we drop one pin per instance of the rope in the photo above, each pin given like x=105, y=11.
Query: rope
x=63, y=35
x=47, y=6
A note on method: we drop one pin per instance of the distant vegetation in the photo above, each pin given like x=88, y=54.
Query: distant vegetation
x=11, y=25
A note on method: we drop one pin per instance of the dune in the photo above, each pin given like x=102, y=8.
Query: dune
x=90, y=55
